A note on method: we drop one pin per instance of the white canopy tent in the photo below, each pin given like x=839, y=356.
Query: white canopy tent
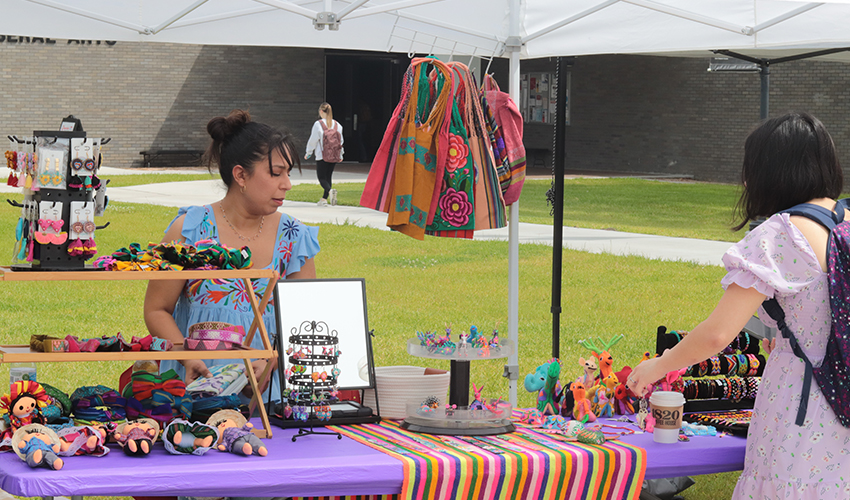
x=485, y=28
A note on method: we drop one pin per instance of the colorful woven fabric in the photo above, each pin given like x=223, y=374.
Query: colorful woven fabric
x=522, y=464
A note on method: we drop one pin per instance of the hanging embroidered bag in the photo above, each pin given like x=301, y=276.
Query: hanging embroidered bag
x=454, y=215
x=489, y=202
x=509, y=119
x=834, y=372
x=421, y=158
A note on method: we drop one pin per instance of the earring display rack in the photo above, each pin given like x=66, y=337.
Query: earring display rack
x=312, y=391
x=459, y=417
x=53, y=256
x=24, y=354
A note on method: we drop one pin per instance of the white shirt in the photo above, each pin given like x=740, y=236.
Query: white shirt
x=314, y=145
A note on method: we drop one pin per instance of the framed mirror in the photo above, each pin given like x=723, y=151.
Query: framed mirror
x=341, y=305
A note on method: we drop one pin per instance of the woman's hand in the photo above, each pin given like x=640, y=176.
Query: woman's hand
x=258, y=365
x=307, y=156
x=195, y=368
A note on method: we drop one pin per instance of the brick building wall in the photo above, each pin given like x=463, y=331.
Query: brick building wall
x=152, y=95
x=670, y=116
x=641, y=114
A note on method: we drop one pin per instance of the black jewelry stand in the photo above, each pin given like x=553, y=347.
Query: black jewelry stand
x=311, y=393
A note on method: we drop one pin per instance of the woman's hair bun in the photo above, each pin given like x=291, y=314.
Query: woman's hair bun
x=222, y=128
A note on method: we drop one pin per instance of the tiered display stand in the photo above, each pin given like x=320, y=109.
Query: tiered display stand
x=314, y=350
x=23, y=353
x=459, y=418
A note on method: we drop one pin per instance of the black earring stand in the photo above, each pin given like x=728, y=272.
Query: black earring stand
x=49, y=256
x=312, y=393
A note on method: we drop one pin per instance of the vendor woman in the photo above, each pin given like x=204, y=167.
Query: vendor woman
x=254, y=161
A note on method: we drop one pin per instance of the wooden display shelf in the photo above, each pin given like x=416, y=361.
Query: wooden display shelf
x=8, y=274
x=23, y=353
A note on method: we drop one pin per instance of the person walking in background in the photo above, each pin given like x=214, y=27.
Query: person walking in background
x=326, y=143
x=788, y=160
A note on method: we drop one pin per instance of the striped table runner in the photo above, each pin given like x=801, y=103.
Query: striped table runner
x=523, y=464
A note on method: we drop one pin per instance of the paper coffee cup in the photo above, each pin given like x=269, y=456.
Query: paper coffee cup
x=667, y=408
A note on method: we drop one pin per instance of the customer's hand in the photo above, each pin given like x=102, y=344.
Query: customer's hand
x=195, y=368
x=644, y=374
x=307, y=156
x=768, y=345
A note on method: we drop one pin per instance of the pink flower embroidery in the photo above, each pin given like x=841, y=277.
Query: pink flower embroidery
x=458, y=151
x=456, y=207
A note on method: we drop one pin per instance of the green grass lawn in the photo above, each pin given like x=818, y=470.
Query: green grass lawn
x=430, y=285
x=688, y=210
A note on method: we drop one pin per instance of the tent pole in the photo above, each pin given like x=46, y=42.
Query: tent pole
x=558, y=209
x=512, y=368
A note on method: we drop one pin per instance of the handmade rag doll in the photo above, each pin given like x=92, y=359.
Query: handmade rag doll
x=235, y=434
x=137, y=436
x=83, y=440
x=22, y=406
x=182, y=437
x=38, y=446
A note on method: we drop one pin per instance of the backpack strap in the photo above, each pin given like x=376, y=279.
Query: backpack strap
x=824, y=217
x=324, y=127
x=774, y=310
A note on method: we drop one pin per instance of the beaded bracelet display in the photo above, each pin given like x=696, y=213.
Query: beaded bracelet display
x=731, y=388
x=742, y=365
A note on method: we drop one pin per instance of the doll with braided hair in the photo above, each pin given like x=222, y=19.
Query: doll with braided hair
x=22, y=406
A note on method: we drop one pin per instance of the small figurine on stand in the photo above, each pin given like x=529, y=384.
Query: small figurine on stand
x=137, y=436
x=478, y=402
x=38, y=446
x=235, y=434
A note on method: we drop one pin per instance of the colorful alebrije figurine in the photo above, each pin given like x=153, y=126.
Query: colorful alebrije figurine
x=38, y=446
x=545, y=382
x=589, y=366
x=581, y=407
x=137, y=437
x=478, y=402
x=431, y=403
x=494, y=342
x=602, y=354
x=236, y=434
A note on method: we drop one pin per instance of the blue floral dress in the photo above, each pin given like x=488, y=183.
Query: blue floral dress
x=227, y=300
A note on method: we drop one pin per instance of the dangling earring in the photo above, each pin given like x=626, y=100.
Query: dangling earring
x=44, y=177
x=243, y=189
x=58, y=176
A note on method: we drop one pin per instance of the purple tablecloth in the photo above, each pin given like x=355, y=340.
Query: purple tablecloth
x=312, y=466
x=700, y=455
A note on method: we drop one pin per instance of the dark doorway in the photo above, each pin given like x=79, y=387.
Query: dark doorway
x=363, y=89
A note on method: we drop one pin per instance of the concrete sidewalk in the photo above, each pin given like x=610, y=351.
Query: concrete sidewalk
x=178, y=194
